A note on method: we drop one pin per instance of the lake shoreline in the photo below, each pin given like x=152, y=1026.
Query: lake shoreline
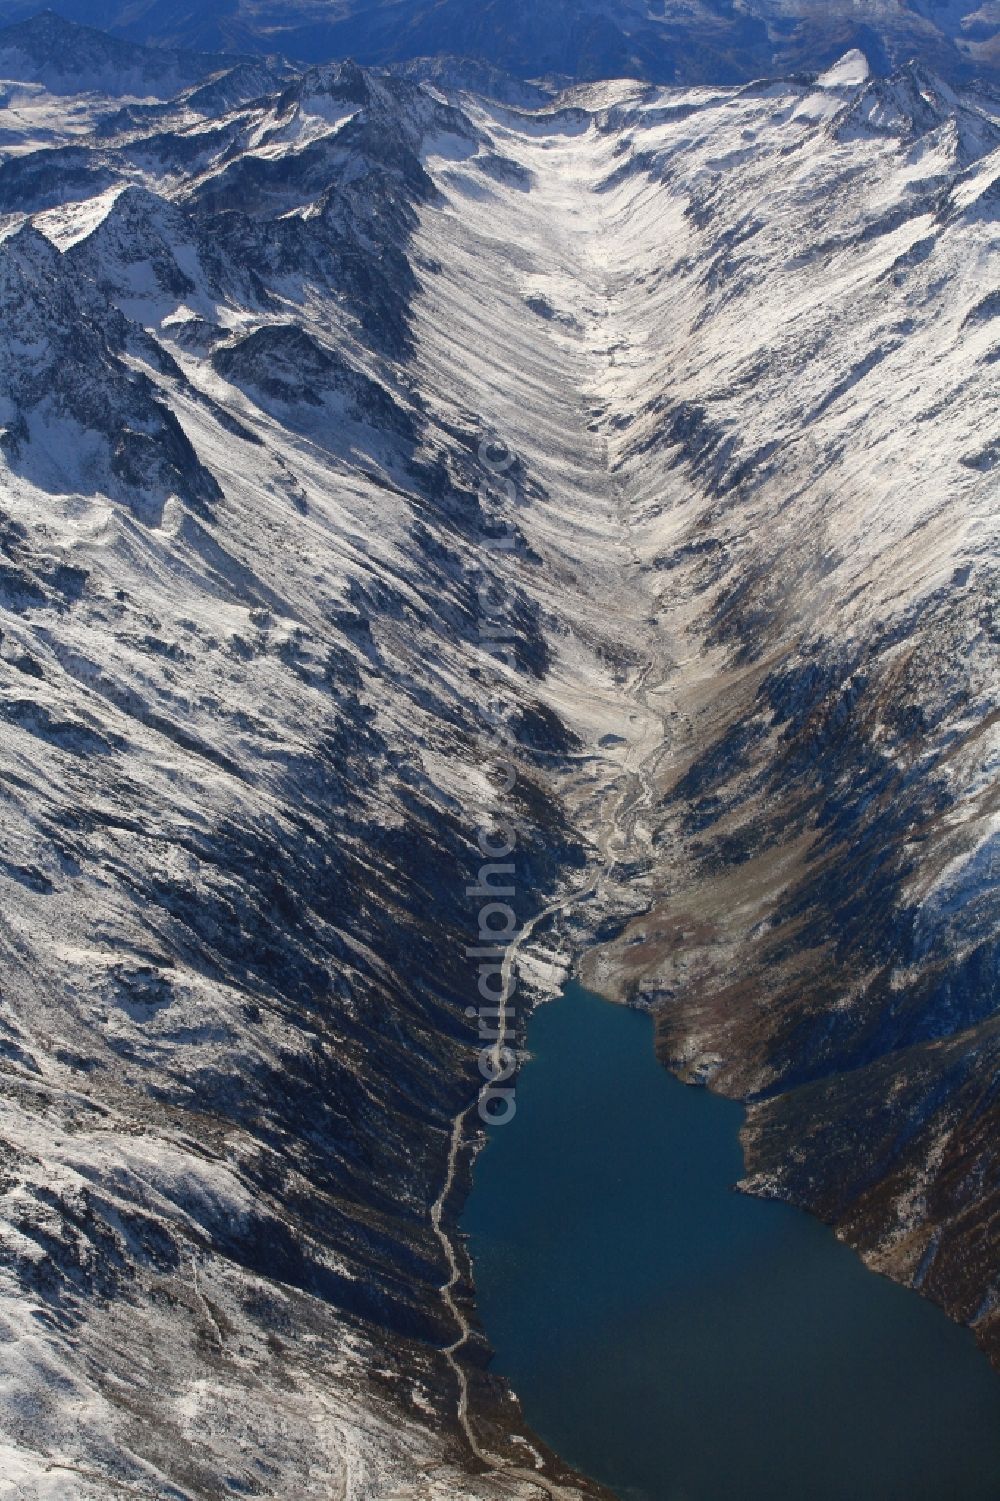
x=728, y=1307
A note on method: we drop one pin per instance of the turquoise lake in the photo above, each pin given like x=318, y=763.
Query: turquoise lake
x=682, y=1342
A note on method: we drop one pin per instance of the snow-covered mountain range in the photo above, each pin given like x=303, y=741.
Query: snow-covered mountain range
x=315, y=386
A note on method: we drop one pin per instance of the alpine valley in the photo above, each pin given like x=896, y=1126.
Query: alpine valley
x=315, y=384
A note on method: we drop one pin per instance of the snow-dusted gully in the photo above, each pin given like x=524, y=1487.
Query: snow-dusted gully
x=528, y=322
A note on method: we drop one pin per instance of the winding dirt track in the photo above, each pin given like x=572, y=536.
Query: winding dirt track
x=629, y=794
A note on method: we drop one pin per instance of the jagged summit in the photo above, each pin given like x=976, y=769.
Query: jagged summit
x=79, y=415
x=343, y=81
x=914, y=103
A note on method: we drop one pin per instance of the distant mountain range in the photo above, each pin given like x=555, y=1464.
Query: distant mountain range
x=667, y=41
x=65, y=58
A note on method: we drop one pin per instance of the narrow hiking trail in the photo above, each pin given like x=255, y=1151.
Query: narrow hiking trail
x=551, y=408
x=631, y=792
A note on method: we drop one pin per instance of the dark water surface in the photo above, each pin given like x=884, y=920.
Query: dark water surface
x=682, y=1342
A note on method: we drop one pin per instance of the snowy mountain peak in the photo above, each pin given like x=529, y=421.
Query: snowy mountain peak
x=81, y=415
x=848, y=72
x=913, y=103
x=136, y=251
x=341, y=81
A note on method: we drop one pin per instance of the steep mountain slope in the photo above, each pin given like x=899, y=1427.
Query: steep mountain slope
x=823, y=934
x=790, y=293
x=388, y=481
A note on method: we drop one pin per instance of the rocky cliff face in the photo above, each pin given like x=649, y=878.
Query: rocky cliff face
x=381, y=474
